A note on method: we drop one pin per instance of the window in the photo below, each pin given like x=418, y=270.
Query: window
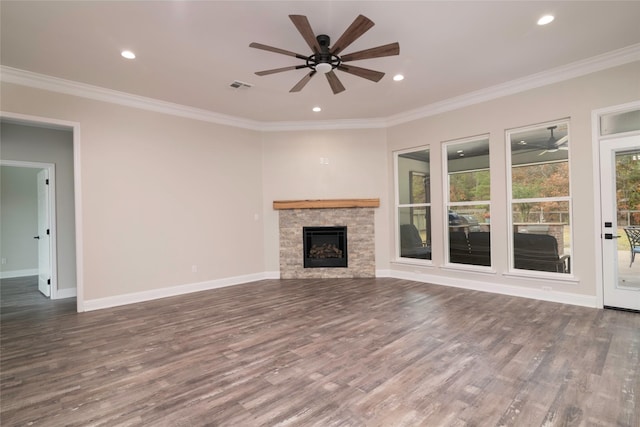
x=468, y=202
x=620, y=122
x=414, y=204
x=540, y=200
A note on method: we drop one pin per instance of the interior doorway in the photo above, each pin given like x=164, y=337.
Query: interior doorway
x=34, y=189
x=42, y=139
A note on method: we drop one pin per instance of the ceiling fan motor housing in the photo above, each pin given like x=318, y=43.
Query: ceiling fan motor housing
x=323, y=61
x=323, y=41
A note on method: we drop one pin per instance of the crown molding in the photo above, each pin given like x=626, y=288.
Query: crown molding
x=325, y=125
x=576, y=69
x=83, y=90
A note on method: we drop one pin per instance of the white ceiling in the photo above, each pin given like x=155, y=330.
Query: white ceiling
x=190, y=52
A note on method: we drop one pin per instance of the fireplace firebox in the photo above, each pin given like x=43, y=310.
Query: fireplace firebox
x=324, y=247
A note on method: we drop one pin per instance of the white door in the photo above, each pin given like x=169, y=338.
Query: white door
x=620, y=195
x=44, y=234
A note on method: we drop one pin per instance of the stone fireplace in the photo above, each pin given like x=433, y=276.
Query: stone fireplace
x=354, y=216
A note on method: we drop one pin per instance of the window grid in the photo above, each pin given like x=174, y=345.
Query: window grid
x=467, y=242
x=524, y=256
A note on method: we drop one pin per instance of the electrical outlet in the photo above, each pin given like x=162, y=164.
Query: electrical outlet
x=324, y=160
x=194, y=268
x=4, y=261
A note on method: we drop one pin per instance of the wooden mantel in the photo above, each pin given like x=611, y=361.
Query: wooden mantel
x=326, y=204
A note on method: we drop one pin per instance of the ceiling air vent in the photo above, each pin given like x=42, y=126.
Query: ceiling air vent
x=237, y=84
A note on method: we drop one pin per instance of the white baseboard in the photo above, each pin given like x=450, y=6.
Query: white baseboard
x=66, y=293
x=383, y=273
x=18, y=273
x=117, y=300
x=274, y=275
x=515, y=291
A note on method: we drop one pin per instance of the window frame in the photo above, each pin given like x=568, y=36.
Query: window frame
x=397, y=245
x=447, y=203
x=512, y=270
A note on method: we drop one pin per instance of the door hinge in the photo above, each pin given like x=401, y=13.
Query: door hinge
x=47, y=231
x=46, y=181
x=48, y=281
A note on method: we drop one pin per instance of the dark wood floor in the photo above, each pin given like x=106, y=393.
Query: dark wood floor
x=363, y=352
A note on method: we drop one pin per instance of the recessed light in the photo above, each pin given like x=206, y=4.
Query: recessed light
x=398, y=77
x=546, y=19
x=128, y=54
x=317, y=109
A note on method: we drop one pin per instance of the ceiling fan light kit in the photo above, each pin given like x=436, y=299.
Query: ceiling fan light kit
x=323, y=67
x=325, y=58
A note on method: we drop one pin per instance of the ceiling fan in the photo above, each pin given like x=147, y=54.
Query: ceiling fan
x=554, y=144
x=326, y=57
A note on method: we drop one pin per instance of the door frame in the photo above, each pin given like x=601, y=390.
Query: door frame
x=596, y=138
x=74, y=127
x=47, y=279
x=51, y=212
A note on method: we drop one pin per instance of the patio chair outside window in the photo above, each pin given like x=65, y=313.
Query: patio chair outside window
x=633, y=233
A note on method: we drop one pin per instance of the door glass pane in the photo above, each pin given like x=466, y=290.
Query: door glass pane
x=628, y=211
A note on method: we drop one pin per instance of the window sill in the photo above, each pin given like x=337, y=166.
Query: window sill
x=468, y=268
x=413, y=262
x=532, y=275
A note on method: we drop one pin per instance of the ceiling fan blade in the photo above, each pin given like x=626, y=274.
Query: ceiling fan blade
x=302, y=83
x=334, y=82
x=304, y=28
x=276, y=50
x=562, y=141
x=366, y=73
x=279, y=70
x=375, y=52
x=358, y=27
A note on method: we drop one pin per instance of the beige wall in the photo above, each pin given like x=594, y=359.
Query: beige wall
x=162, y=193
x=575, y=99
x=356, y=169
x=43, y=145
x=159, y=194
